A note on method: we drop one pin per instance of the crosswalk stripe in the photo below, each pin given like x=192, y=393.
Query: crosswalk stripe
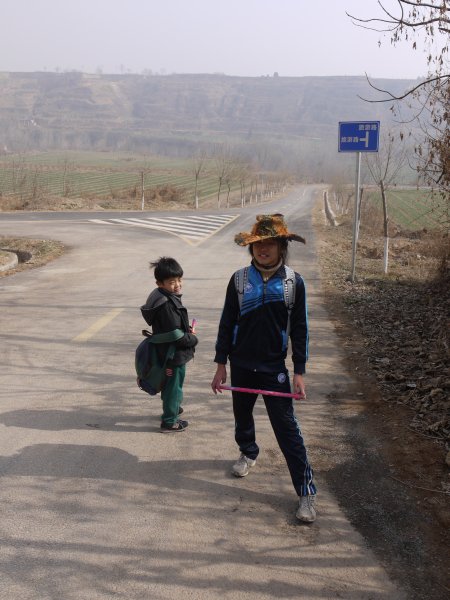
x=163, y=226
x=192, y=228
x=181, y=223
x=207, y=219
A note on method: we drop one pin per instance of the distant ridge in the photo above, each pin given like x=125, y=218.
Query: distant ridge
x=177, y=114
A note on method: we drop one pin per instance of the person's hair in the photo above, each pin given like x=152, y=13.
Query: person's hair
x=283, y=246
x=166, y=268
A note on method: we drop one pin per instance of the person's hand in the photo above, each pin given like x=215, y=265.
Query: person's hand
x=219, y=378
x=299, y=386
x=169, y=372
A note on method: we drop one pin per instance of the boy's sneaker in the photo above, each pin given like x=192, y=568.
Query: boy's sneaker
x=306, y=511
x=180, y=410
x=173, y=427
x=242, y=465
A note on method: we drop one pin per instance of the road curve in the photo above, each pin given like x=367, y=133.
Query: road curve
x=96, y=503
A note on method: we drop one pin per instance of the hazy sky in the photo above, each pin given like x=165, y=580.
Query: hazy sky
x=235, y=37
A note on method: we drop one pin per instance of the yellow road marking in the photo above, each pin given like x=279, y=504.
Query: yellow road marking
x=98, y=325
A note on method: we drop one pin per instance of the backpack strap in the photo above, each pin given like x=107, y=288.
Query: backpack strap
x=240, y=281
x=289, y=294
x=164, y=338
x=289, y=287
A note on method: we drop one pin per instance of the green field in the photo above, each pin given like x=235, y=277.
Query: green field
x=413, y=209
x=100, y=175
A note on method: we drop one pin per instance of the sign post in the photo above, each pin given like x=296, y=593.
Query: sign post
x=358, y=136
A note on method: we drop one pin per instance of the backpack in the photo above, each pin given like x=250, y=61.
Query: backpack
x=241, y=278
x=151, y=373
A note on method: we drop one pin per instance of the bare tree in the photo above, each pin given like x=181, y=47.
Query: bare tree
x=243, y=173
x=198, y=163
x=237, y=172
x=339, y=190
x=222, y=163
x=432, y=19
x=384, y=167
x=67, y=166
x=426, y=23
x=144, y=172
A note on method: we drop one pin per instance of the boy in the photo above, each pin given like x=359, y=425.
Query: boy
x=164, y=312
x=253, y=337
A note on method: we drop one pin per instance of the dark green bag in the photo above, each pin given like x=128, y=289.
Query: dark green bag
x=151, y=373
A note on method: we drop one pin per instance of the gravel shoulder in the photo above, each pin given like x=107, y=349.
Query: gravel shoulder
x=394, y=486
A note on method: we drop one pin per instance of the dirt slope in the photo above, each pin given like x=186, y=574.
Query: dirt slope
x=394, y=331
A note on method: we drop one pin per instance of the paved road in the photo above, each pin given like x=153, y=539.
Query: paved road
x=96, y=503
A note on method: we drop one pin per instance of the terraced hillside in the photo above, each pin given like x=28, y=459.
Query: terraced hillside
x=177, y=115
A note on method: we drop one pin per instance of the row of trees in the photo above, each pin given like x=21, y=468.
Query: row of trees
x=230, y=175
x=235, y=173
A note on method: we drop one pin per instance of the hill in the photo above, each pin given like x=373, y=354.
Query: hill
x=176, y=115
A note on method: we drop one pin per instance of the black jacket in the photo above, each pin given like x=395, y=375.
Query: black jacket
x=165, y=312
x=256, y=340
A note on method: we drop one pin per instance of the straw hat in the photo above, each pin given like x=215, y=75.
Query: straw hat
x=267, y=226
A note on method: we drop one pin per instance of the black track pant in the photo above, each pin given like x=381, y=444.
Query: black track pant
x=282, y=418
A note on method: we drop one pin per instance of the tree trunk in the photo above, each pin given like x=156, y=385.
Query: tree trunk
x=331, y=218
x=195, y=192
x=218, y=193
x=385, y=228
x=142, y=191
x=361, y=191
x=349, y=197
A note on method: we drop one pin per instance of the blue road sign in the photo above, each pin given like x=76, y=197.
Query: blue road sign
x=361, y=136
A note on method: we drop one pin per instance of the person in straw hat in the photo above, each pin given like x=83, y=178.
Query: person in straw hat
x=265, y=304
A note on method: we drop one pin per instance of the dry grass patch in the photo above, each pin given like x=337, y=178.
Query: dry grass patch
x=30, y=252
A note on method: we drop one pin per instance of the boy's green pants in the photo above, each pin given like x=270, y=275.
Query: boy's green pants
x=172, y=395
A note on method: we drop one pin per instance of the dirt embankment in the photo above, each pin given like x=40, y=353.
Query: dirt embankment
x=30, y=253
x=394, y=331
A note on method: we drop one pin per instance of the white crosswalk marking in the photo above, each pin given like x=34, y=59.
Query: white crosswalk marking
x=193, y=229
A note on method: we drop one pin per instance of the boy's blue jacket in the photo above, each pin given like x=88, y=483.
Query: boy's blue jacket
x=165, y=312
x=255, y=338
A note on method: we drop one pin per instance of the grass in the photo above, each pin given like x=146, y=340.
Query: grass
x=31, y=252
x=99, y=174
x=97, y=160
x=413, y=209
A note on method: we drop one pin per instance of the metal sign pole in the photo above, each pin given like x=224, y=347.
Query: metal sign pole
x=356, y=215
x=358, y=136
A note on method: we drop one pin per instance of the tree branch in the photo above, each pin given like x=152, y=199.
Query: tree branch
x=419, y=4
x=406, y=94
x=397, y=22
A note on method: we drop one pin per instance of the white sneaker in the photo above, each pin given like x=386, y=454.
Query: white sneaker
x=306, y=511
x=241, y=467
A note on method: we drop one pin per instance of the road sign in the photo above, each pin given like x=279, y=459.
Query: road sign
x=361, y=136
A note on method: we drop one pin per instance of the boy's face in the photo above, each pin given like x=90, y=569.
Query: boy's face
x=172, y=285
x=266, y=252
